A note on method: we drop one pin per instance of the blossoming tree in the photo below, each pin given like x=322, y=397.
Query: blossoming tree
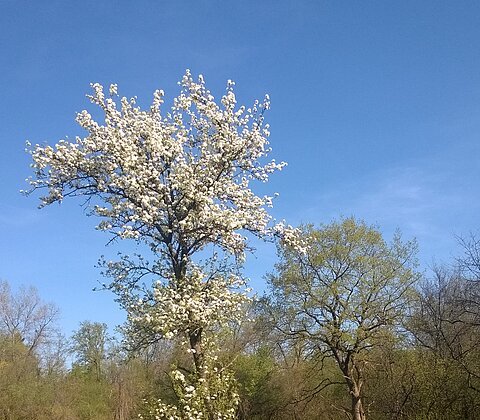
x=178, y=182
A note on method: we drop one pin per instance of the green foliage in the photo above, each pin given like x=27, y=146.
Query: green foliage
x=344, y=295
x=89, y=345
x=258, y=393
x=209, y=393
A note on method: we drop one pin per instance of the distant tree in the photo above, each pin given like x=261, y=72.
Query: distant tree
x=180, y=183
x=447, y=317
x=343, y=296
x=437, y=374
x=89, y=345
x=31, y=365
x=25, y=317
x=130, y=382
x=469, y=262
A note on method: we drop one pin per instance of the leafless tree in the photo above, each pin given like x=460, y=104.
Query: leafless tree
x=25, y=317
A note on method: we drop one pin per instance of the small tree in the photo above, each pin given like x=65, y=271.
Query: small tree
x=89, y=345
x=469, y=263
x=447, y=324
x=31, y=358
x=180, y=183
x=343, y=295
x=24, y=317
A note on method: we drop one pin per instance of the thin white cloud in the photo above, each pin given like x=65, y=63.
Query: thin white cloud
x=422, y=201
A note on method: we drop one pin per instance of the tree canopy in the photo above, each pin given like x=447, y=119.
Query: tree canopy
x=344, y=294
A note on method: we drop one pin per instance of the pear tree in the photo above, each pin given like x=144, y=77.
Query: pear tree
x=180, y=182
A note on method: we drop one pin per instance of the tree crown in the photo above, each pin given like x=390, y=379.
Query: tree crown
x=178, y=180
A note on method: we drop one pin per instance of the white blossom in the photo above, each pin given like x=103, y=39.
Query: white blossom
x=185, y=173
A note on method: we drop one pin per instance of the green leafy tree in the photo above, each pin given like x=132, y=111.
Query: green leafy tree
x=89, y=345
x=344, y=295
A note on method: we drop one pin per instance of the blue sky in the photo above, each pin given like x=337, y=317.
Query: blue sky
x=375, y=106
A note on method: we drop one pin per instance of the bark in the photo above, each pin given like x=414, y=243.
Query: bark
x=195, y=339
x=353, y=377
x=358, y=412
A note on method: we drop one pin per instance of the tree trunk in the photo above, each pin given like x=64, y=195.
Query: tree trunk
x=358, y=413
x=195, y=339
x=354, y=380
x=199, y=362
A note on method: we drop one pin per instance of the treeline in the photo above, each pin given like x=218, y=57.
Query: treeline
x=348, y=329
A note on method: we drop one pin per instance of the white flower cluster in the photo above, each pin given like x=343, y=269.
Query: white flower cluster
x=197, y=303
x=292, y=237
x=213, y=398
x=183, y=177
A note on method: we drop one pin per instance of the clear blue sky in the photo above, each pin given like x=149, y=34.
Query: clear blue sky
x=375, y=106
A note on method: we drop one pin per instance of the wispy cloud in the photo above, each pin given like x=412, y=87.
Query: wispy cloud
x=424, y=201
